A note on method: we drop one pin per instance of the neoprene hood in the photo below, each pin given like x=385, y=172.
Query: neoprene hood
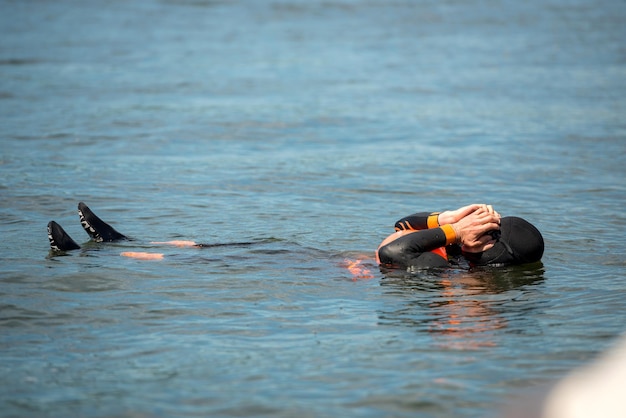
x=519, y=243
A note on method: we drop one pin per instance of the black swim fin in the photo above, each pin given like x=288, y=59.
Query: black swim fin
x=59, y=239
x=95, y=227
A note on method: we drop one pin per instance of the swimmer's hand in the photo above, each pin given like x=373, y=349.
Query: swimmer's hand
x=453, y=216
x=482, y=244
x=472, y=229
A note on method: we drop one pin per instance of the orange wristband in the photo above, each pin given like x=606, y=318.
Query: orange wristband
x=450, y=233
x=433, y=220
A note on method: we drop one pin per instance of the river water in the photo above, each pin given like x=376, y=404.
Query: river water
x=305, y=129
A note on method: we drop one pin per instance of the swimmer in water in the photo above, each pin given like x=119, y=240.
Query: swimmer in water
x=476, y=232
x=100, y=231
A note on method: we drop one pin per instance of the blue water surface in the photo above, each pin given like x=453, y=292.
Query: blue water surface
x=305, y=129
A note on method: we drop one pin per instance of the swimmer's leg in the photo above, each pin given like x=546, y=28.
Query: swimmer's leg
x=180, y=243
x=95, y=227
x=59, y=239
x=226, y=244
x=177, y=243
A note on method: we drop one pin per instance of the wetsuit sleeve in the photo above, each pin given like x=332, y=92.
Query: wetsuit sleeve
x=406, y=250
x=418, y=221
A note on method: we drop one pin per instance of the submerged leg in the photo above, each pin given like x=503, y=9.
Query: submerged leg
x=181, y=243
x=95, y=227
x=59, y=239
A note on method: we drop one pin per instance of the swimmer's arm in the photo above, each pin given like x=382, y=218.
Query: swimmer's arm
x=433, y=238
x=411, y=245
x=418, y=221
x=429, y=220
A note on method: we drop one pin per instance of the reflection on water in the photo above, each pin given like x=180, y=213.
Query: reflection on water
x=462, y=309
